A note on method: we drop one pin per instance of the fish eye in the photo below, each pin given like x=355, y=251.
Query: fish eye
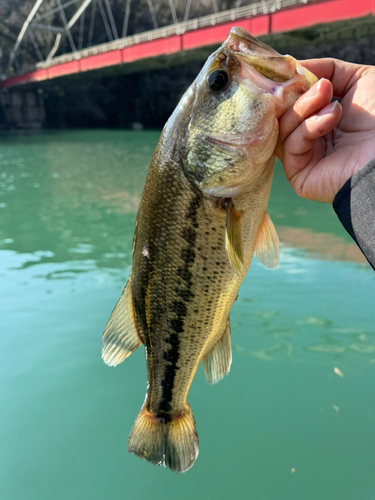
x=217, y=79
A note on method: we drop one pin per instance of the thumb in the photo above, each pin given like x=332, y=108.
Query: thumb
x=305, y=146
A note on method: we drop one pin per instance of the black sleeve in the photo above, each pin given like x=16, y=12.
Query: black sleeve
x=354, y=205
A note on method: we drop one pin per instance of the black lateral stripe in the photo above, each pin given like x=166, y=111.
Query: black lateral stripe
x=179, y=307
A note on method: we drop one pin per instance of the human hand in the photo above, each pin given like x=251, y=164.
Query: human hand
x=322, y=144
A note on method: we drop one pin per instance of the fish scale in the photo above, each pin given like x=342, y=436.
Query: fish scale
x=202, y=215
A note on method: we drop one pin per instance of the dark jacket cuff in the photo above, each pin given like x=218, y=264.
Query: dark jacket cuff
x=354, y=205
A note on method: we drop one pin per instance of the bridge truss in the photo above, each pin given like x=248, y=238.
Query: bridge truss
x=56, y=31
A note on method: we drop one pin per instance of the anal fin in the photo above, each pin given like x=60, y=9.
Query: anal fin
x=120, y=337
x=217, y=363
x=233, y=238
x=267, y=243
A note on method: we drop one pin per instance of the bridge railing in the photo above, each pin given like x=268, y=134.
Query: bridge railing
x=248, y=11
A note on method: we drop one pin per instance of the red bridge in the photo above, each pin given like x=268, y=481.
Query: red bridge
x=278, y=22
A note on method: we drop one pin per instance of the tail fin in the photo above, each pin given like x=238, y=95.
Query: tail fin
x=172, y=444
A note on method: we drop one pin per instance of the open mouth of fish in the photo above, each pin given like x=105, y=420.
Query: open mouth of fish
x=260, y=62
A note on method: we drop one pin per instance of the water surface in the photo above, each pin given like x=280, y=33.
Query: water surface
x=282, y=426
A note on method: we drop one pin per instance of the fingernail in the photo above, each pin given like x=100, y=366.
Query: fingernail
x=313, y=90
x=328, y=109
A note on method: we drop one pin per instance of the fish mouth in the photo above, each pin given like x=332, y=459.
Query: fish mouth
x=241, y=42
x=258, y=57
x=269, y=64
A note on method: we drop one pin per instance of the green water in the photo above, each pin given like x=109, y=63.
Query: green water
x=68, y=202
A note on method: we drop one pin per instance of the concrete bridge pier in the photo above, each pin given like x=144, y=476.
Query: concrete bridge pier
x=23, y=109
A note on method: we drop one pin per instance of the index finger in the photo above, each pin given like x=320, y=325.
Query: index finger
x=341, y=74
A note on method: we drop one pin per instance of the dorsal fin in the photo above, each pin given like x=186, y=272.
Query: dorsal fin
x=267, y=243
x=233, y=237
x=217, y=363
x=120, y=337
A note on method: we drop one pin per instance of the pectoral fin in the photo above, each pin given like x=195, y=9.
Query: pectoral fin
x=233, y=238
x=267, y=243
x=120, y=337
x=217, y=363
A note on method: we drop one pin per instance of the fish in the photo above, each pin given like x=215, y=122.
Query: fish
x=202, y=216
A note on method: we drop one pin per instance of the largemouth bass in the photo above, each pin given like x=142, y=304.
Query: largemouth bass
x=202, y=216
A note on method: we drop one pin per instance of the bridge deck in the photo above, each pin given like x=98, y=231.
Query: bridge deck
x=195, y=44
